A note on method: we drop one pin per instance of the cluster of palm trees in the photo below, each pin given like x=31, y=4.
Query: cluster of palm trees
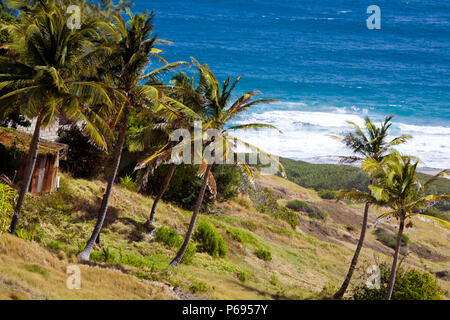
x=393, y=184
x=98, y=75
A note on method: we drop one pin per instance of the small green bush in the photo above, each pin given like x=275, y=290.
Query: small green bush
x=389, y=239
x=326, y=194
x=198, y=287
x=189, y=253
x=236, y=235
x=263, y=254
x=24, y=234
x=323, y=215
x=410, y=284
x=168, y=236
x=171, y=238
x=128, y=183
x=312, y=211
x=298, y=205
x=243, y=276
x=210, y=240
x=274, y=280
x=7, y=195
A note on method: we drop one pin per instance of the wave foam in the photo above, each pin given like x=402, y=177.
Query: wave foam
x=307, y=136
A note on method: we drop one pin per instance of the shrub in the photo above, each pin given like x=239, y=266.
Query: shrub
x=274, y=279
x=350, y=227
x=389, y=239
x=171, y=238
x=24, y=234
x=243, y=276
x=189, y=253
x=410, y=284
x=326, y=194
x=312, y=211
x=128, y=183
x=323, y=215
x=236, y=235
x=227, y=180
x=84, y=159
x=7, y=195
x=264, y=202
x=168, y=236
x=210, y=240
x=298, y=205
x=263, y=254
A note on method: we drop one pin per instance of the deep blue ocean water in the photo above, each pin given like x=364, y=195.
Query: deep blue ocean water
x=324, y=64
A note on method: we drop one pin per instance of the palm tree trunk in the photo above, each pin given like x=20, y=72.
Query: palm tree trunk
x=198, y=204
x=31, y=161
x=84, y=255
x=345, y=284
x=394, y=263
x=151, y=219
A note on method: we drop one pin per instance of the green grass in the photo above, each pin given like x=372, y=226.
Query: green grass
x=36, y=269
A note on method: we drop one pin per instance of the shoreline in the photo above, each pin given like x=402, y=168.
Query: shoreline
x=425, y=170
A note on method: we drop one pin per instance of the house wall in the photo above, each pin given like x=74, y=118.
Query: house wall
x=50, y=133
x=45, y=174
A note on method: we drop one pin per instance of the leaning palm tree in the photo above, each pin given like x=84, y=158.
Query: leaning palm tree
x=133, y=51
x=219, y=111
x=183, y=90
x=399, y=188
x=371, y=143
x=39, y=77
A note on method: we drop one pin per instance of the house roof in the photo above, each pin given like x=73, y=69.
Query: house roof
x=22, y=140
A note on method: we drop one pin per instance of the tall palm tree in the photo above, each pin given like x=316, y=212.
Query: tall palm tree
x=219, y=110
x=371, y=143
x=39, y=77
x=398, y=187
x=133, y=50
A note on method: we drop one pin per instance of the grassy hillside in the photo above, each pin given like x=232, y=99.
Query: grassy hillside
x=304, y=261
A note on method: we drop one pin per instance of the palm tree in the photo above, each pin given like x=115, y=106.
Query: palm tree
x=398, y=187
x=369, y=144
x=132, y=52
x=219, y=110
x=39, y=77
x=182, y=90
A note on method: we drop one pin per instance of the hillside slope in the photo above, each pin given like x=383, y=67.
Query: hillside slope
x=304, y=261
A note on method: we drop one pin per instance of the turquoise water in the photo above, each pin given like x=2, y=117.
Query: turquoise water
x=326, y=66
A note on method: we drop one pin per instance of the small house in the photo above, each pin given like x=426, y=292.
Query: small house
x=45, y=175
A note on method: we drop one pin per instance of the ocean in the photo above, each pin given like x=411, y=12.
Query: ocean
x=324, y=64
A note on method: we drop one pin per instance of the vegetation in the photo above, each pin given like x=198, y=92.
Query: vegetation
x=210, y=240
x=84, y=159
x=389, y=239
x=263, y=254
x=219, y=109
x=108, y=79
x=398, y=188
x=372, y=143
x=410, y=284
x=7, y=195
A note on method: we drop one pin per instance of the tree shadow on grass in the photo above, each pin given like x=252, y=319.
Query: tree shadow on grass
x=90, y=212
x=264, y=293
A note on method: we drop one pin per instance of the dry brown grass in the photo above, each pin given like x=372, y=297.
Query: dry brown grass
x=16, y=282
